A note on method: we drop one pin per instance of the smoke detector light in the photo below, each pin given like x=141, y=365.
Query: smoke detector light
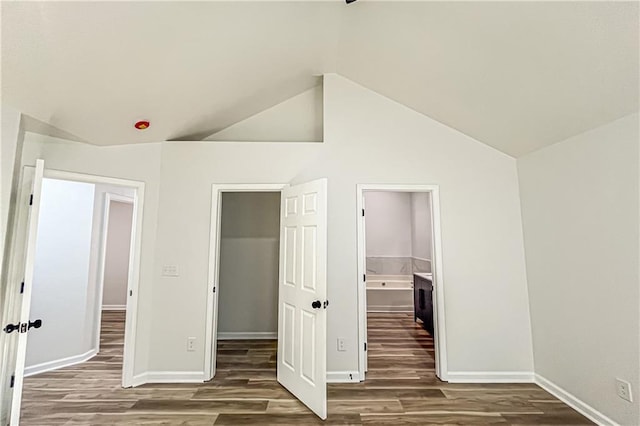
x=142, y=125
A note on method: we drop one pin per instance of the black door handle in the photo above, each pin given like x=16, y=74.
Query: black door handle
x=10, y=328
x=22, y=328
x=35, y=324
x=316, y=305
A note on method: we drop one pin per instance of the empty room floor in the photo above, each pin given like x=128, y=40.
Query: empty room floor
x=401, y=388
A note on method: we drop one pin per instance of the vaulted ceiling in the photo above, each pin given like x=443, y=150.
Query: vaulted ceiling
x=514, y=75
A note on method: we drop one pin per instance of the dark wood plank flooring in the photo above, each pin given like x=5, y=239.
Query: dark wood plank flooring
x=401, y=388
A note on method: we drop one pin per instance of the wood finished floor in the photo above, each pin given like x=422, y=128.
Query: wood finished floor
x=401, y=388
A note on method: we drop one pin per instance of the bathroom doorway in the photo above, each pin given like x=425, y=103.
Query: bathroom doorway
x=400, y=275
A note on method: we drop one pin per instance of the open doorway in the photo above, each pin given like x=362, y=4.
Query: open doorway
x=61, y=242
x=399, y=261
x=82, y=251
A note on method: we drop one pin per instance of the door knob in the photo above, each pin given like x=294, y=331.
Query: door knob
x=35, y=324
x=316, y=305
x=10, y=328
x=24, y=327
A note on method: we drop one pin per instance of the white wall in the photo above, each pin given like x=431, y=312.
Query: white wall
x=580, y=213
x=421, y=232
x=249, y=261
x=388, y=224
x=298, y=119
x=116, y=268
x=61, y=272
x=367, y=140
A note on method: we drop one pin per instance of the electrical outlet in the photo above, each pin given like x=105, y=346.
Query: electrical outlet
x=191, y=344
x=624, y=390
x=342, y=345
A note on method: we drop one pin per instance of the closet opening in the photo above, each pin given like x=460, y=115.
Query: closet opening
x=267, y=278
x=247, y=290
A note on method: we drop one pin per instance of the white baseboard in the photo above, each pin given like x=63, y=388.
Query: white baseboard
x=574, y=402
x=267, y=335
x=114, y=307
x=59, y=363
x=168, y=377
x=382, y=308
x=490, y=377
x=343, y=376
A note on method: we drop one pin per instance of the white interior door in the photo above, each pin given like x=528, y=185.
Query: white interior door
x=302, y=300
x=20, y=270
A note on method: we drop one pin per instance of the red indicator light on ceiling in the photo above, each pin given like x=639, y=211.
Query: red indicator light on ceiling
x=141, y=125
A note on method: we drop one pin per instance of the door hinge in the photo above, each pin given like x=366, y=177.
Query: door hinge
x=365, y=346
x=214, y=289
x=13, y=380
x=130, y=292
x=364, y=277
x=362, y=212
x=31, y=199
x=22, y=287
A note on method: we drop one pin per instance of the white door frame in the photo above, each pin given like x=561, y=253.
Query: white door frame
x=211, y=325
x=128, y=360
x=104, y=235
x=440, y=340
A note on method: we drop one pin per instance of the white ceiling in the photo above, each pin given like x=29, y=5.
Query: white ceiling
x=514, y=75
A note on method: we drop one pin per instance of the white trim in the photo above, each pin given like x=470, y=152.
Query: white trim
x=491, y=377
x=114, y=307
x=211, y=324
x=440, y=340
x=574, y=402
x=261, y=335
x=129, y=353
x=343, y=377
x=59, y=363
x=168, y=377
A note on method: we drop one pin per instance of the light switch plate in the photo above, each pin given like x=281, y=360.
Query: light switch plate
x=170, y=271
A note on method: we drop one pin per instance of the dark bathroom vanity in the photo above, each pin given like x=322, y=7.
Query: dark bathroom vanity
x=423, y=300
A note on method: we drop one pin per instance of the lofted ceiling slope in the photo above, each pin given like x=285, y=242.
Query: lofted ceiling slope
x=515, y=75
